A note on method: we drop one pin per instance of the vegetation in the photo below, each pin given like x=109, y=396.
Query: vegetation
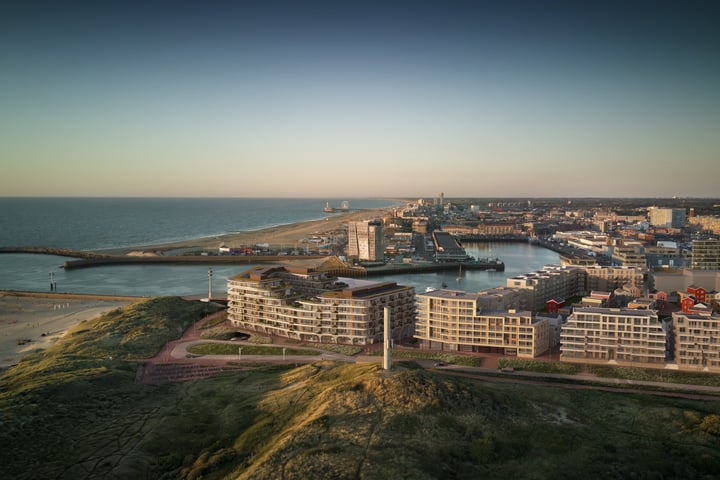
x=464, y=360
x=232, y=349
x=214, y=322
x=542, y=367
x=656, y=375
x=72, y=412
x=349, y=350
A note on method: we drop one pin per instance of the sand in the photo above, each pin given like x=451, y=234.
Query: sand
x=287, y=236
x=42, y=321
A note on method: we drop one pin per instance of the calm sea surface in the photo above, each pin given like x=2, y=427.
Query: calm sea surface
x=113, y=223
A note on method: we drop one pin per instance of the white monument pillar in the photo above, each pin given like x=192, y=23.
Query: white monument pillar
x=387, y=339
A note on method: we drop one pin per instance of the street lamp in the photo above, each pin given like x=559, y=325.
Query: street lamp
x=210, y=275
x=240, y=353
x=52, y=281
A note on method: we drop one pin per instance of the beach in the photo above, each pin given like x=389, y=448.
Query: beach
x=34, y=322
x=29, y=322
x=279, y=236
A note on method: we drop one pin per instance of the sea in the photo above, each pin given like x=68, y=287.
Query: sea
x=110, y=223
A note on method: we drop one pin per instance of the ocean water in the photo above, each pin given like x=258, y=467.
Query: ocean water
x=90, y=224
x=106, y=223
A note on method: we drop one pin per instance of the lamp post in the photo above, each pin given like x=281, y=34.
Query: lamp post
x=52, y=281
x=210, y=275
x=240, y=353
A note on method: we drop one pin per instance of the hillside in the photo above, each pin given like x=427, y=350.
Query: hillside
x=72, y=412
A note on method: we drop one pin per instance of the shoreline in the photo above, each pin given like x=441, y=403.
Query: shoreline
x=31, y=321
x=278, y=236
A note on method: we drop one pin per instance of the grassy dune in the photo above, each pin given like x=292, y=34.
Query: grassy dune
x=71, y=412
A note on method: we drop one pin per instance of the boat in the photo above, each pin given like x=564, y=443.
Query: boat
x=430, y=289
x=459, y=277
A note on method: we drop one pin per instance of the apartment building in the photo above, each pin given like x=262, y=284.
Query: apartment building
x=453, y=321
x=610, y=278
x=706, y=254
x=667, y=217
x=697, y=345
x=365, y=241
x=631, y=337
x=307, y=305
x=550, y=282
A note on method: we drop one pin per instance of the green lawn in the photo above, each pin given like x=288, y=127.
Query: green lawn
x=232, y=349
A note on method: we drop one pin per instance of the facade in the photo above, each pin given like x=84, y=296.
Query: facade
x=365, y=241
x=696, y=341
x=706, y=254
x=312, y=306
x=610, y=278
x=630, y=337
x=550, y=282
x=452, y=321
x=667, y=217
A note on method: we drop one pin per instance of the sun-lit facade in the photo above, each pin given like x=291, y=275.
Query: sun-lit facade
x=313, y=306
x=451, y=320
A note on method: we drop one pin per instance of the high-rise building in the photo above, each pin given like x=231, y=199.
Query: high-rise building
x=667, y=217
x=365, y=241
x=706, y=254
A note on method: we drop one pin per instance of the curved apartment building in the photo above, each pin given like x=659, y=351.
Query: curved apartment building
x=313, y=306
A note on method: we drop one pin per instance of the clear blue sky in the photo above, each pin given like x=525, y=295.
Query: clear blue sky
x=340, y=99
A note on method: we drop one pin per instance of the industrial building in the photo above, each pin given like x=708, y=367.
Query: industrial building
x=308, y=305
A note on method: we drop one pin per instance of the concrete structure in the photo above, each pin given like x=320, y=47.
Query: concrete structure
x=629, y=337
x=667, y=217
x=447, y=249
x=387, y=340
x=365, y=241
x=453, y=321
x=307, y=305
x=697, y=341
x=706, y=254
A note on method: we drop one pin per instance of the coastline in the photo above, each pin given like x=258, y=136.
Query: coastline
x=35, y=321
x=279, y=236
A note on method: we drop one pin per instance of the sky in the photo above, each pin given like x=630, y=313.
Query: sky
x=360, y=99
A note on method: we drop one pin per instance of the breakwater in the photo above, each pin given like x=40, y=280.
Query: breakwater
x=183, y=260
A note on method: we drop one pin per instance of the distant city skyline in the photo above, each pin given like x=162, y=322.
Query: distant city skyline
x=347, y=100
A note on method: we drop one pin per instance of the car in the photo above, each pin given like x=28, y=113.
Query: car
x=440, y=364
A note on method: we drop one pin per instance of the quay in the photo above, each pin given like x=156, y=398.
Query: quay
x=91, y=259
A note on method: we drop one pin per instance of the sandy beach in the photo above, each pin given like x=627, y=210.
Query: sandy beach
x=279, y=236
x=30, y=323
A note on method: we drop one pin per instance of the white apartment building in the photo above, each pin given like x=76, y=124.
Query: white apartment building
x=629, y=337
x=311, y=306
x=450, y=320
x=697, y=341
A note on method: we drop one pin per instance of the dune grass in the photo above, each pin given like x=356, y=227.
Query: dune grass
x=72, y=412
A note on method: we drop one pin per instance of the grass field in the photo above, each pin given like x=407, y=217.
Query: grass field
x=75, y=412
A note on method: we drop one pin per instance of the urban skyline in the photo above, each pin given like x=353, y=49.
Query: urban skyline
x=481, y=99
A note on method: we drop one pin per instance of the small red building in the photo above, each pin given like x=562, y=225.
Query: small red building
x=554, y=305
x=699, y=293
